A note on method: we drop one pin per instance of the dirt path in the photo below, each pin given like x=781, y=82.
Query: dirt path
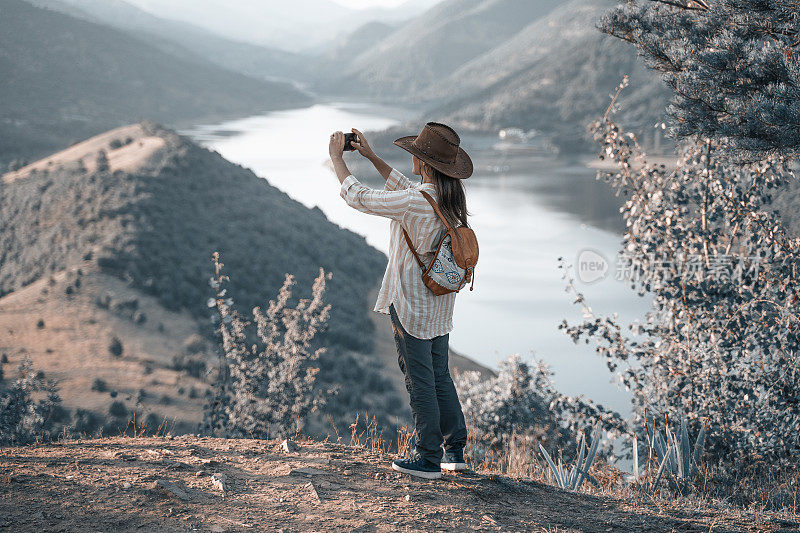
x=169, y=484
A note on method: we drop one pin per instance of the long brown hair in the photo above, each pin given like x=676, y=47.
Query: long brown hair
x=452, y=198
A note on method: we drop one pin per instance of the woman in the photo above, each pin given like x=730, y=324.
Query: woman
x=421, y=321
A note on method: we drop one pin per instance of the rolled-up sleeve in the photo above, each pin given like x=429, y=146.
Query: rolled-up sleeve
x=396, y=181
x=384, y=203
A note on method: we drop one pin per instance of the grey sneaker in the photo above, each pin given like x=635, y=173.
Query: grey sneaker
x=417, y=466
x=453, y=460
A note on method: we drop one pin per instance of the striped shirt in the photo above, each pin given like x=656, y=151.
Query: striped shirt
x=421, y=313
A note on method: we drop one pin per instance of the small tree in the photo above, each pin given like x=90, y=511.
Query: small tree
x=23, y=418
x=733, y=65
x=266, y=385
x=102, y=161
x=117, y=409
x=17, y=164
x=115, y=347
x=722, y=342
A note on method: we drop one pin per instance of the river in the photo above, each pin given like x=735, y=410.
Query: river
x=525, y=218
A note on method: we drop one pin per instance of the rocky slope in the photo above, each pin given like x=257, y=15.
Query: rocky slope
x=215, y=485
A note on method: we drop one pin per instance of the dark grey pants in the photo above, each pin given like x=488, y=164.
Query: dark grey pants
x=438, y=419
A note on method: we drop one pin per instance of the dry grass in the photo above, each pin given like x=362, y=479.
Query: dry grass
x=747, y=499
x=72, y=346
x=134, y=149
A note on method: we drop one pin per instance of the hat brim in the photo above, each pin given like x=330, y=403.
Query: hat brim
x=460, y=169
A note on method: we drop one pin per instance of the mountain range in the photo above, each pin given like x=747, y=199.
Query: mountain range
x=555, y=75
x=188, y=41
x=65, y=78
x=80, y=67
x=301, y=25
x=435, y=43
x=490, y=64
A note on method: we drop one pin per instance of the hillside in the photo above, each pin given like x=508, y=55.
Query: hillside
x=432, y=45
x=555, y=76
x=117, y=246
x=151, y=221
x=362, y=38
x=168, y=484
x=508, y=63
x=65, y=79
x=188, y=41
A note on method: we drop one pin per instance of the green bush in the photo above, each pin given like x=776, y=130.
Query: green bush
x=99, y=385
x=118, y=409
x=115, y=347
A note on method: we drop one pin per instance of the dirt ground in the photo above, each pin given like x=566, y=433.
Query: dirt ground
x=173, y=484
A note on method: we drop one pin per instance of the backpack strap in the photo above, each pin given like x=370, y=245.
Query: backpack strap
x=436, y=209
x=439, y=214
x=411, y=246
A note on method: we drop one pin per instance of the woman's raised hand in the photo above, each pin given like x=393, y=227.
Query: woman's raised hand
x=361, y=144
x=336, y=145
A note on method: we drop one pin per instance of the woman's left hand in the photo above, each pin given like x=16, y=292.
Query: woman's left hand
x=336, y=146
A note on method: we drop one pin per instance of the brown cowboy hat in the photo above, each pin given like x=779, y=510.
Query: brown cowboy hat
x=437, y=145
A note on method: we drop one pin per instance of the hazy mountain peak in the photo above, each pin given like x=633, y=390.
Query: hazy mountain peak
x=296, y=26
x=73, y=78
x=434, y=44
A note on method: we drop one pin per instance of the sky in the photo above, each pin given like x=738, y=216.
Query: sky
x=356, y=4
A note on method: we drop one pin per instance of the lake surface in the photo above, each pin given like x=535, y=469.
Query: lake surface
x=525, y=218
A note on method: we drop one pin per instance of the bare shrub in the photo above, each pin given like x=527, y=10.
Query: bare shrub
x=520, y=408
x=265, y=386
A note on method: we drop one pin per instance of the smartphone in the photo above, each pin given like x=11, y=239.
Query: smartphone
x=348, y=138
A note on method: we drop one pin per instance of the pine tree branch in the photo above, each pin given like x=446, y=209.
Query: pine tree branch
x=691, y=5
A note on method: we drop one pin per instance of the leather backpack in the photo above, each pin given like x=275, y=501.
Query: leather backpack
x=453, y=264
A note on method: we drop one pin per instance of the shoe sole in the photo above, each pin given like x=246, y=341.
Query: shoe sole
x=453, y=466
x=417, y=473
